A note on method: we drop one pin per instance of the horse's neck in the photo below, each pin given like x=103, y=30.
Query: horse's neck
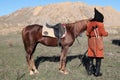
x=79, y=27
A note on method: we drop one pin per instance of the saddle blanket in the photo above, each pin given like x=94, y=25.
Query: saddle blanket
x=50, y=32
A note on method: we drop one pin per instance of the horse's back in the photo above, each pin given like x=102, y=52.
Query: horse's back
x=33, y=26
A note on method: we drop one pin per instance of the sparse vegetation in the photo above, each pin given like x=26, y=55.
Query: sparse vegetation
x=13, y=64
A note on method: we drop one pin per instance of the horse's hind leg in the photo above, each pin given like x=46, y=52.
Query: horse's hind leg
x=29, y=58
x=31, y=65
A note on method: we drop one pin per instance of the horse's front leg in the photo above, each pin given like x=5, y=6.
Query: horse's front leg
x=63, y=60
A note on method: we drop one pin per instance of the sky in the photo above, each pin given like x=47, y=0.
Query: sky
x=9, y=6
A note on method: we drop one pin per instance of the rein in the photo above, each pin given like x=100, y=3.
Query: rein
x=84, y=54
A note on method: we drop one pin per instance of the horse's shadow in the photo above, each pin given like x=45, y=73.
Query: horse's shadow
x=83, y=59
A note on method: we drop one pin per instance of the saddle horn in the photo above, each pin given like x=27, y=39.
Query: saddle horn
x=54, y=26
x=49, y=26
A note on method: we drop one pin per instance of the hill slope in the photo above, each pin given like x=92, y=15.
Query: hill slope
x=60, y=12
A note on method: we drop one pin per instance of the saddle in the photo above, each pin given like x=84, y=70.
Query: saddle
x=59, y=31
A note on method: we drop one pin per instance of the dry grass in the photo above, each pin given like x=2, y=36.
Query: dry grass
x=13, y=63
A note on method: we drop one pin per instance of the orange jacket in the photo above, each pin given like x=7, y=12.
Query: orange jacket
x=100, y=26
x=93, y=50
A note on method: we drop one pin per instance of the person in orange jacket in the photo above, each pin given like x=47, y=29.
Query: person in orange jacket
x=95, y=30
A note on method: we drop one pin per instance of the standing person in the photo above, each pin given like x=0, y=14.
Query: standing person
x=95, y=32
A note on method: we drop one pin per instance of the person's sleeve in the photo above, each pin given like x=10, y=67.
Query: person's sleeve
x=103, y=32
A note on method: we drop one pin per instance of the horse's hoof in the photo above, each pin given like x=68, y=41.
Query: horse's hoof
x=64, y=72
x=31, y=73
x=36, y=71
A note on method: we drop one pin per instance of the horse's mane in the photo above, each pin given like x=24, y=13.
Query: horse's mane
x=77, y=26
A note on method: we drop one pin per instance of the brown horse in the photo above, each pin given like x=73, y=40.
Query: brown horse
x=32, y=35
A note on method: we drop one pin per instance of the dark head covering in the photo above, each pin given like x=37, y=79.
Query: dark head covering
x=98, y=16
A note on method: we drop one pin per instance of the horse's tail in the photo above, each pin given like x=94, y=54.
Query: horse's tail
x=23, y=31
x=23, y=37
